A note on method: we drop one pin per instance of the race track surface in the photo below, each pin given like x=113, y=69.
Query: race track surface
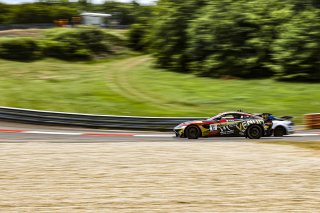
x=55, y=169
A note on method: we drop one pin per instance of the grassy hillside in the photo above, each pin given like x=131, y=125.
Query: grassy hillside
x=132, y=86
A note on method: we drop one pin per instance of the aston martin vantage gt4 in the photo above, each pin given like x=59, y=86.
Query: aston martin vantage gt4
x=223, y=124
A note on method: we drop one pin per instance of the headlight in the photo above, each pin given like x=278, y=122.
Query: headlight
x=181, y=126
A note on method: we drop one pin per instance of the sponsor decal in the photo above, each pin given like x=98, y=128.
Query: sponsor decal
x=213, y=127
x=244, y=125
x=227, y=132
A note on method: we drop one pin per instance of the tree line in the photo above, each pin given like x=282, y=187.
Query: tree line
x=243, y=38
x=47, y=11
x=213, y=38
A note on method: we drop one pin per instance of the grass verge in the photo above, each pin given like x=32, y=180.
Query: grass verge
x=131, y=85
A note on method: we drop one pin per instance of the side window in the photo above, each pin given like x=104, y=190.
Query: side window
x=248, y=117
x=228, y=116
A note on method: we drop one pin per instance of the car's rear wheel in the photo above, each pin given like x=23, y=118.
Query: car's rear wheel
x=254, y=132
x=193, y=132
x=279, y=131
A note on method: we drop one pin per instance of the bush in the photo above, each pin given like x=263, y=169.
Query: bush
x=65, y=50
x=136, y=37
x=62, y=43
x=75, y=43
x=94, y=40
x=23, y=49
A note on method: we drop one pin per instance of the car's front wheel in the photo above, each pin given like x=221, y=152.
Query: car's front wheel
x=193, y=132
x=254, y=132
x=279, y=131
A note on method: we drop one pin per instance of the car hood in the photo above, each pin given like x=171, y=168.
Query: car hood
x=186, y=123
x=193, y=122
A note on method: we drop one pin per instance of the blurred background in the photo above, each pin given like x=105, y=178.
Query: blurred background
x=161, y=58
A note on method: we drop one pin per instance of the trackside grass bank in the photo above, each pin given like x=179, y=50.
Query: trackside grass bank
x=132, y=86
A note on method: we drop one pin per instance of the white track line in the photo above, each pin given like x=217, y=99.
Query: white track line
x=155, y=135
x=294, y=135
x=52, y=133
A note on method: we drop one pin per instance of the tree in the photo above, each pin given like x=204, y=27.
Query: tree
x=235, y=37
x=5, y=13
x=169, y=32
x=297, y=50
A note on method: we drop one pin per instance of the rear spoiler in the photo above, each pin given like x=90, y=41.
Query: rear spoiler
x=286, y=117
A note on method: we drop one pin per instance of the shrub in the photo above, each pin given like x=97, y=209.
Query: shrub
x=136, y=37
x=65, y=50
x=23, y=49
x=75, y=43
x=62, y=43
x=94, y=40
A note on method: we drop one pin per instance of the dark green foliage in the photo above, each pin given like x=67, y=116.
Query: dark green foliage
x=297, y=50
x=94, y=40
x=235, y=39
x=136, y=37
x=35, y=13
x=62, y=43
x=47, y=11
x=23, y=49
x=169, y=36
x=244, y=38
x=4, y=13
x=75, y=43
x=65, y=49
x=126, y=13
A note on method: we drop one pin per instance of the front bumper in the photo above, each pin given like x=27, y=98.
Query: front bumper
x=179, y=132
x=290, y=130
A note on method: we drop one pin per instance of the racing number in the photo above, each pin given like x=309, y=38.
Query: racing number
x=213, y=127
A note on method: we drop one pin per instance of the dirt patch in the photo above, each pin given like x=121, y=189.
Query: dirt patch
x=22, y=33
x=158, y=177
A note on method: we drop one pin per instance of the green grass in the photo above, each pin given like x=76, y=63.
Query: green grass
x=305, y=145
x=132, y=86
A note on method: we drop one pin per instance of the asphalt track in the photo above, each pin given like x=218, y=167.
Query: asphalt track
x=15, y=132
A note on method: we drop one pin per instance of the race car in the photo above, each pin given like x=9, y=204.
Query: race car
x=280, y=126
x=223, y=124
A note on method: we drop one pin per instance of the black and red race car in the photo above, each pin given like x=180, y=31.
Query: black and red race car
x=223, y=124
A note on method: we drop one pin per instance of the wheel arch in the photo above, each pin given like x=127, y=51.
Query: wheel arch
x=281, y=126
x=259, y=125
x=193, y=125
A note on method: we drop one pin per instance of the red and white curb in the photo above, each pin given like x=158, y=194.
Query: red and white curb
x=92, y=134
x=100, y=134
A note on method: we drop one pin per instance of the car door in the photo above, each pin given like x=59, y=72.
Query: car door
x=227, y=124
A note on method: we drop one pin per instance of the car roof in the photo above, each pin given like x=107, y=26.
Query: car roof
x=236, y=112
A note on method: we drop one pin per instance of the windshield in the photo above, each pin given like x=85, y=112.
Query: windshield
x=215, y=117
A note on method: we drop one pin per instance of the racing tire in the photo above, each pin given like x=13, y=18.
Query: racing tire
x=268, y=133
x=254, y=132
x=279, y=131
x=193, y=132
